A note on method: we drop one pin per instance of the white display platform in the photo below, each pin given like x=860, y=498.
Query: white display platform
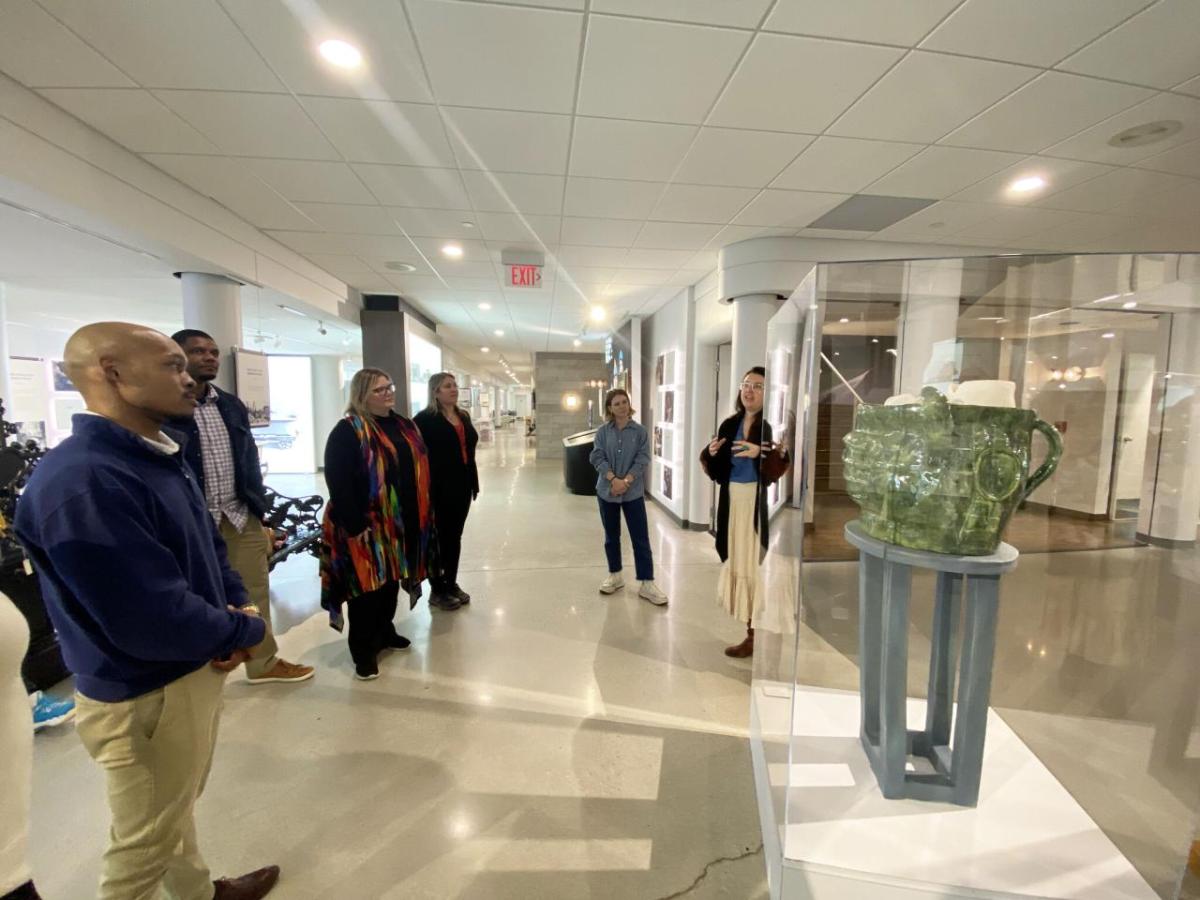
x=1027, y=838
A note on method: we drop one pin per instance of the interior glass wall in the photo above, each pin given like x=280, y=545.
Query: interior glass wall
x=1091, y=767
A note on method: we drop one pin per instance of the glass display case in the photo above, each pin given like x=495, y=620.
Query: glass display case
x=1089, y=772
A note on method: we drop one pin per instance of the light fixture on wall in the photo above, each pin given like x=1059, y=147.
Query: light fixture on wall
x=485, y=349
x=321, y=329
x=294, y=312
x=577, y=342
x=570, y=401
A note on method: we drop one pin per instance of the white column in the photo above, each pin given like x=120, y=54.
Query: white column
x=213, y=304
x=1170, y=507
x=929, y=315
x=328, y=405
x=751, y=313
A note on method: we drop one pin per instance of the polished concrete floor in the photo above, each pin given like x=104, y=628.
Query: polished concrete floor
x=545, y=742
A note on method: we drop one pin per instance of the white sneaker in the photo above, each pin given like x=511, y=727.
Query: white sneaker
x=613, y=583
x=651, y=592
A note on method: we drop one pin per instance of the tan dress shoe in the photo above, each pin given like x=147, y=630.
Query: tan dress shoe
x=253, y=886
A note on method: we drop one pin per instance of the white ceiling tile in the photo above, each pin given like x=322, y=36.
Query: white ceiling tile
x=473, y=250
x=572, y=257
x=436, y=223
x=470, y=284
x=600, y=232
x=1157, y=47
x=938, y=172
x=1050, y=108
x=350, y=219
x=39, y=51
x=317, y=182
x=232, y=184
x=606, y=198
x=169, y=45
x=731, y=234
x=739, y=158
x=838, y=234
x=878, y=21
x=339, y=265
x=235, y=122
x=642, y=276
x=379, y=264
x=502, y=192
x=1010, y=223
x=1191, y=86
x=319, y=242
x=415, y=186
x=1077, y=236
x=501, y=57
x=1028, y=31
x=657, y=259
x=704, y=259
x=822, y=78
x=1093, y=144
x=498, y=226
x=675, y=235
x=843, y=165
x=135, y=119
x=614, y=148
x=1182, y=160
x=1116, y=188
x=375, y=131
x=951, y=89
x=469, y=269
x=742, y=14
x=701, y=203
x=1059, y=174
x=661, y=71
x=391, y=69
x=501, y=141
x=788, y=209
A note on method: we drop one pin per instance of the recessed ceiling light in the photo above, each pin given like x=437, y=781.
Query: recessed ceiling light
x=843, y=320
x=467, y=224
x=1150, y=133
x=874, y=340
x=294, y=312
x=1129, y=304
x=485, y=306
x=598, y=313
x=454, y=251
x=1109, y=335
x=1027, y=184
x=498, y=333
x=485, y=349
x=578, y=342
x=400, y=266
x=341, y=54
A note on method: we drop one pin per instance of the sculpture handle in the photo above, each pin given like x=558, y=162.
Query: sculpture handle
x=1046, y=469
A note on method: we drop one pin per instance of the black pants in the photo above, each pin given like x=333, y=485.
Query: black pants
x=25, y=892
x=370, y=618
x=450, y=515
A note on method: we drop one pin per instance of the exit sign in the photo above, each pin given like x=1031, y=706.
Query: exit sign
x=525, y=276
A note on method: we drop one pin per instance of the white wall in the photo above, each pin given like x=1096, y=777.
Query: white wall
x=664, y=334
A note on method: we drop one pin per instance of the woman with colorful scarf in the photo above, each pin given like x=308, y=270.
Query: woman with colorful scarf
x=378, y=523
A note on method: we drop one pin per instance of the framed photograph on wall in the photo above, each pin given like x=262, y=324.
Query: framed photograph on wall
x=668, y=364
x=667, y=479
x=668, y=406
x=658, y=371
x=253, y=385
x=658, y=441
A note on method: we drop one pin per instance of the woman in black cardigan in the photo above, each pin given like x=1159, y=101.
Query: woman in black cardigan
x=450, y=440
x=743, y=460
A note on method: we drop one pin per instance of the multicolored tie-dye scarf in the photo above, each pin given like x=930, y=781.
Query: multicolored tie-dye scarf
x=352, y=566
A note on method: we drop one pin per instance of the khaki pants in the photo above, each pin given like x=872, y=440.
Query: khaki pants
x=248, y=555
x=156, y=751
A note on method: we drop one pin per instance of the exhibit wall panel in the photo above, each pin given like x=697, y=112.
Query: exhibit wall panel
x=666, y=360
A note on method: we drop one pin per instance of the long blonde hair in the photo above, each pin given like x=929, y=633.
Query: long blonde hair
x=360, y=390
x=435, y=385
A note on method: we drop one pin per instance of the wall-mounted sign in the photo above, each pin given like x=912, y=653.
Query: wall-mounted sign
x=253, y=386
x=525, y=276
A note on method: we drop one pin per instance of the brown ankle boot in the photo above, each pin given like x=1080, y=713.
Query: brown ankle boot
x=744, y=649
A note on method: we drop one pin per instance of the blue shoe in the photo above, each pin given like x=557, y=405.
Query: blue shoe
x=48, y=711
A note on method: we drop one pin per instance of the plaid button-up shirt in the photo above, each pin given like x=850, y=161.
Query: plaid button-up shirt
x=220, y=479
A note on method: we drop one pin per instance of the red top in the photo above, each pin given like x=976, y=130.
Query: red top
x=462, y=437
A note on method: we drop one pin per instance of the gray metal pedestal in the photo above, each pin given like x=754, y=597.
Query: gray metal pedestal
x=885, y=581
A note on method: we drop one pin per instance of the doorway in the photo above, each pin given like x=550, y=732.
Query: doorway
x=1129, y=438
x=722, y=409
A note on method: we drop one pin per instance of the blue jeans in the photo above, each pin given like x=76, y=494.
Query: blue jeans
x=639, y=535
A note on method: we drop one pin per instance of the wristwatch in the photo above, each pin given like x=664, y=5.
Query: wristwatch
x=251, y=608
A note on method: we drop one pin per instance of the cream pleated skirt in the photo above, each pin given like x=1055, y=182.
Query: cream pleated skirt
x=740, y=589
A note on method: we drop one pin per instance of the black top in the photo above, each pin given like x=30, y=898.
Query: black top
x=346, y=476
x=450, y=477
x=719, y=466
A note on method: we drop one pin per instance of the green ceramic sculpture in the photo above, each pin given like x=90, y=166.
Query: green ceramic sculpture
x=943, y=477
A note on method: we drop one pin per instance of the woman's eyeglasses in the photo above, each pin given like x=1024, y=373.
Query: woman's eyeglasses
x=753, y=385
x=386, y=389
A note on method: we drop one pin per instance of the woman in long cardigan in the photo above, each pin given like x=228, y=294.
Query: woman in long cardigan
x=378, y=526
x=743, y=460
x=450, y=439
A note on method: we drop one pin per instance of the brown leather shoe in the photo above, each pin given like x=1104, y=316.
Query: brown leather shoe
x=744, y=649
x=283, y=671
x=253, y=886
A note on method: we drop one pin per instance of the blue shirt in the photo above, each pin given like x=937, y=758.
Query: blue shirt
x=743, y=466
x=134, y=574
x=622, y=451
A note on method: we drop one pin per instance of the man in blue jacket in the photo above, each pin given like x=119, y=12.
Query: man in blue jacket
x=149, y=614
x=224, y=458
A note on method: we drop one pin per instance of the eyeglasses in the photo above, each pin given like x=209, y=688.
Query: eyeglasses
x=753, y=385
x=386, y=389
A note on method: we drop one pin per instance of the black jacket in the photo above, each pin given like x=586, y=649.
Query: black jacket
x=349, y=483
x=450, y=478
x=720, y=466
x=247, y=472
